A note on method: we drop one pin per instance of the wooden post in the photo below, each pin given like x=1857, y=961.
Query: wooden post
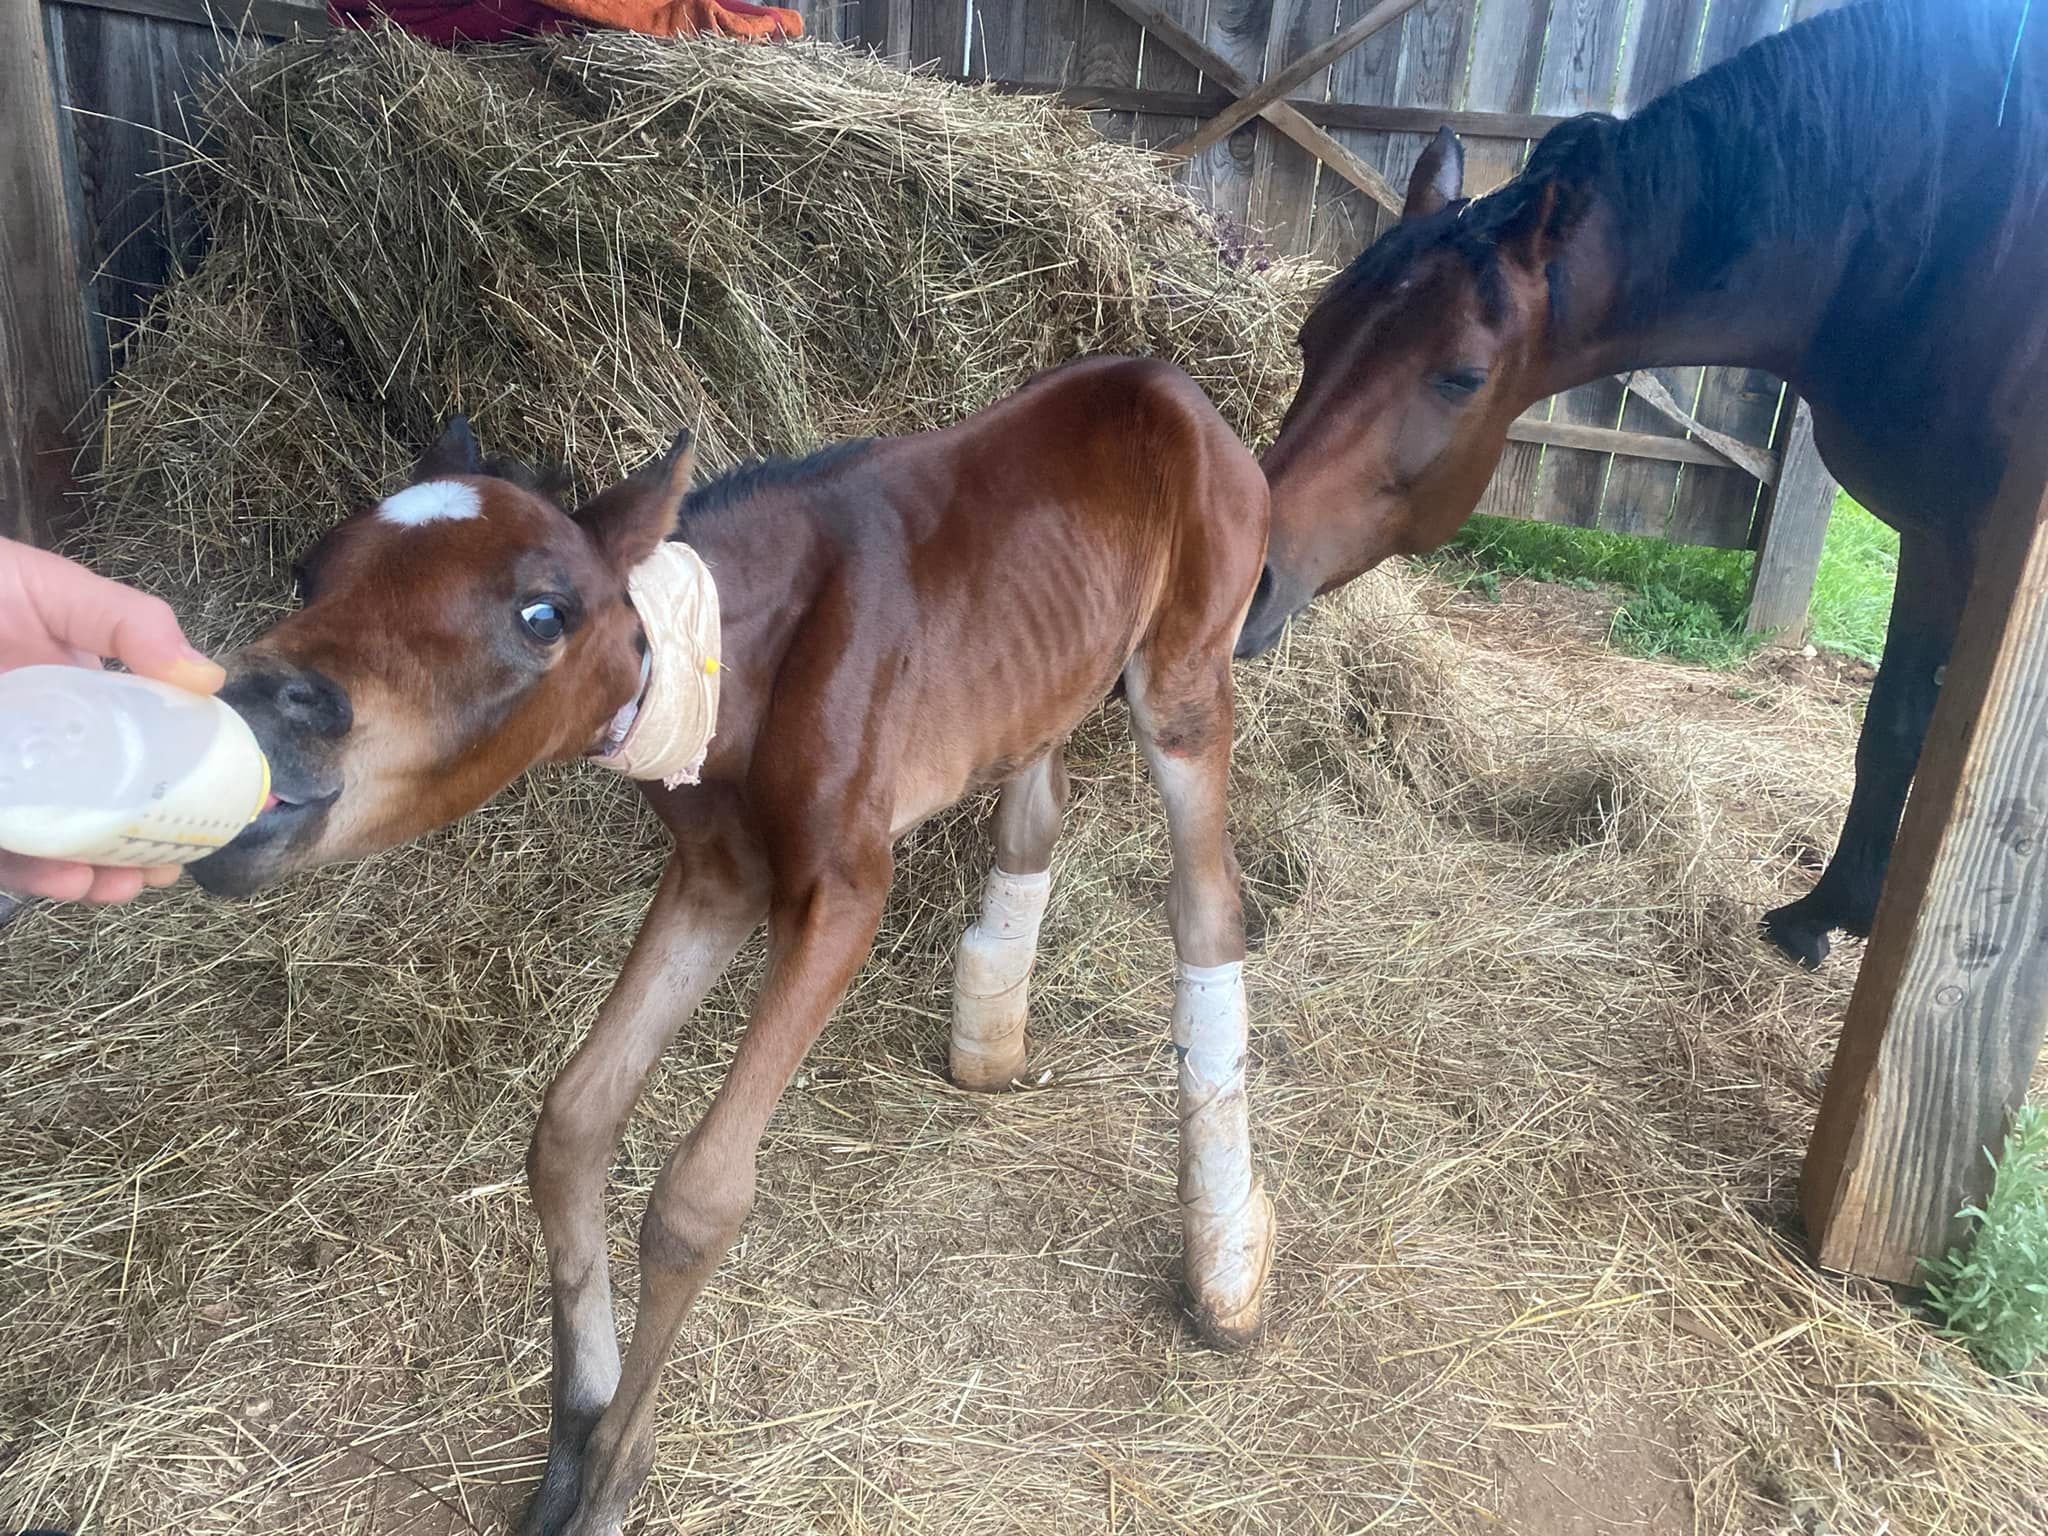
x=1795, y=526
x=1947, y=1017
x=45, y=376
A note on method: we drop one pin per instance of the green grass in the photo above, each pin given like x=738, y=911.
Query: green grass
x=1992, y=1292
x=1681, y=601
x=1852, y=596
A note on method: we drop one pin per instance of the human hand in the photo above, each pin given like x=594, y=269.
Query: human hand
x=54, y=610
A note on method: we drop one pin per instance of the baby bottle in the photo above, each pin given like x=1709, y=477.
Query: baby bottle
x=108, y=768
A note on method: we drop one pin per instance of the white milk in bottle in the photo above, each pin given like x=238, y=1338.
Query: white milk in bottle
x=107, y=768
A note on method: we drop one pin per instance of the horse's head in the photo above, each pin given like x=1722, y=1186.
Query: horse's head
x=454, y=635
x=1414, y=362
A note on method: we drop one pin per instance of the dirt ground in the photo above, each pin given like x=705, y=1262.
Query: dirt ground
x=1529, y=1095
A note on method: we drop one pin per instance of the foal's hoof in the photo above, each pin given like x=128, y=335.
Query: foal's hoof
x=980, y=1069
x=1799, y=932
x=1226, y=1302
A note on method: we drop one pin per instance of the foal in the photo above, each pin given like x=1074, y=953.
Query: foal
x=896, y=623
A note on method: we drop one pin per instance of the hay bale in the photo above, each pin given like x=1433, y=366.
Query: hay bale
x=1530, y=1096
x=587, y=242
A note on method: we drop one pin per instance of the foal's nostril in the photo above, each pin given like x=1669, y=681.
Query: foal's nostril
x=310, y=702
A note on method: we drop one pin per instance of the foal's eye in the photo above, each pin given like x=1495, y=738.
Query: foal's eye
x=543, y=619
x=301, y=588
x=1460, y=383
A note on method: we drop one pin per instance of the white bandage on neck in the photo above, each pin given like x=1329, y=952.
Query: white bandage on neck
x=1226, y=1219
x=678, y=709
x=991, y=973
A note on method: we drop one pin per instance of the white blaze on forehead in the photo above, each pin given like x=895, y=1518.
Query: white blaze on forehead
x=431, y=501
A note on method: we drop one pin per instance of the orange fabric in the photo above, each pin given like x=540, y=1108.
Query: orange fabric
x=688, y=18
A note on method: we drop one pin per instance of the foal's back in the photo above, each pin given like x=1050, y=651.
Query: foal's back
x=979, y=589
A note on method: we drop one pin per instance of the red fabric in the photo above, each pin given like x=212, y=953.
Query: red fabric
x=447, y=22
x=454, y=21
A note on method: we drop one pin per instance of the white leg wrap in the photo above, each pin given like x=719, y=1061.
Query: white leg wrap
x=1226, y=1219
x=991, y=975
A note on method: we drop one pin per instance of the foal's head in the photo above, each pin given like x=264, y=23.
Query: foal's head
x=1414, y=361
x=452, y=636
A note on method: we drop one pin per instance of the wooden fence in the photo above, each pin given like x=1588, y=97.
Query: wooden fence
x=1352, y=90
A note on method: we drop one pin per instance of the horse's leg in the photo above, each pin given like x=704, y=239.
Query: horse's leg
x=820, y=929
x=712, y=895
x=992, y=968
x=1927, y=605
x=1181, y=706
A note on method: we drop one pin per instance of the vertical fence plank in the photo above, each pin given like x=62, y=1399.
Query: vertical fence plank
x=1346, y=221
x=45, y=374
x=1578, y=75
x=1507, y=50
x=1795, y=526
x=1284, y=174
x=1161, y=69
x=1049, y=44
x=1657, y=54
x=1429, y=70
x=1108, y=55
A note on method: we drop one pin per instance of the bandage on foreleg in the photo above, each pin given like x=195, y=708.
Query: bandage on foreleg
x=991, y=980
x=1226, y=1219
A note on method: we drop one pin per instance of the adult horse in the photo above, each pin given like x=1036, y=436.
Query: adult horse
x=1856, y=205
x=887, y=626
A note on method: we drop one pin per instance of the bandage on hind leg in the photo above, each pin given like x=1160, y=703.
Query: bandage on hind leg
x=1226, y=1219
x=991, y=976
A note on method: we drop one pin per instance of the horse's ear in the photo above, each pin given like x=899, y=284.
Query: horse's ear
x=629, y=520
x=1438, y=179
x=454, y=453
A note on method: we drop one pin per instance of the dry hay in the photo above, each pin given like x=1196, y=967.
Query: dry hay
x=1529, y=1095
x=590, y=242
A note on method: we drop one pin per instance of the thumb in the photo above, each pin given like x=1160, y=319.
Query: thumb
x=147, y=641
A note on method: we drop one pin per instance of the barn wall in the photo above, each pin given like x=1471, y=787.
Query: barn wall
x=1502, y=71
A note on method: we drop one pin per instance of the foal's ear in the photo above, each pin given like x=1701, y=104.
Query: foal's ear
x=454, y=453
x=629, y=520
x=1438, y=179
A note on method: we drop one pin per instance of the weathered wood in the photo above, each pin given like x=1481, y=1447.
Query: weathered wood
x=1754, y=461
x=1792, y=529
x=257, y=18
x=1345, y=220
x=1284, y=178
x=1429, y=62
x=1946, y=1021
x=1324, y=114
x=1657, y=53
x=1276, y=85
x=1578, y=74
x=1597, y=439
x=1290, y=122
x=885, y=27
x=45, y=376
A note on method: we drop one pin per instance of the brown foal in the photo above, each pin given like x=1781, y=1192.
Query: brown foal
x=904, y=620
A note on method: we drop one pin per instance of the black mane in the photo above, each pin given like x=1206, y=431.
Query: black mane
x=736, y=487
x=1887, y=109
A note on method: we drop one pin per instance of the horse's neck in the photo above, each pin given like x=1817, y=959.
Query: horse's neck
x=1763, y=311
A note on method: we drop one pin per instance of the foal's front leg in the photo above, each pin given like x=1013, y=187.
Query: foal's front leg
x=819, y=933
x=713, y=894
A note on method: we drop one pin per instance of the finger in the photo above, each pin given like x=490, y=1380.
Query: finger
x=161, y=875
x=112, y=886
x=57, y=879
x=79, y=609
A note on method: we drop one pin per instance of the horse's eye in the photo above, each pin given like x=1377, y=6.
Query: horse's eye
x=302, y=589
x=1461, y=383
x=543, y=619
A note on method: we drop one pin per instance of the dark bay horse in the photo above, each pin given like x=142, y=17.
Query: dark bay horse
x=1856, y=205
x=898, y=622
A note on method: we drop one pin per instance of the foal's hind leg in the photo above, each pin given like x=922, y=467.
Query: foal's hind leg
x=1182, y=710
x=992, y=968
